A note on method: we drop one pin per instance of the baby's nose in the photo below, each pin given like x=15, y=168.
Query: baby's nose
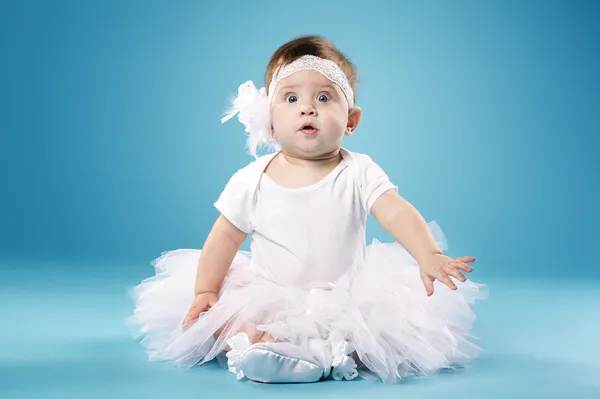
x=307, y=110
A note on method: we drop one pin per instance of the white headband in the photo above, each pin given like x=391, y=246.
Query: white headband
x=254, y=105
x=327, y=68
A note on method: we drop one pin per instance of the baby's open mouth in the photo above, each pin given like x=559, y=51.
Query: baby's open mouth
x=308, y=128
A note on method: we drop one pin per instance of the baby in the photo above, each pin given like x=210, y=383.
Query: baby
x=311, y=300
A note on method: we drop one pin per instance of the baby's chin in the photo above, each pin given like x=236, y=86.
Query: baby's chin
x=312, y=150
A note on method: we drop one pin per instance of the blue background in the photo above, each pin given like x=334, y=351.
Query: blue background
x=485, y=114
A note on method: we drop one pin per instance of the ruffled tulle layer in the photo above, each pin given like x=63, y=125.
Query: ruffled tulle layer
x=394, y=328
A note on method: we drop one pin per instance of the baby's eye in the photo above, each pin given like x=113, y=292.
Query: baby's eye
x=323, y=98
x=291, y=99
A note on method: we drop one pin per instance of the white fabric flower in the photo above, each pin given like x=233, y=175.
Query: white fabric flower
x=343, y=366
x=252, y=107
x=239, y=343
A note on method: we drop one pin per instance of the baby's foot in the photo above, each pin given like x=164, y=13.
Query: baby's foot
x=280, y=362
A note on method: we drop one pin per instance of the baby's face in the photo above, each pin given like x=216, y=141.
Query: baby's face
x=308, y=97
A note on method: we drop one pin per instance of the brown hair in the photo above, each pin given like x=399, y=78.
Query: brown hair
x=311, y=45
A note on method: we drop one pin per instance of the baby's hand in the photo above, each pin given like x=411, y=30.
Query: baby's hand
x=202, y=303
x=441, y=267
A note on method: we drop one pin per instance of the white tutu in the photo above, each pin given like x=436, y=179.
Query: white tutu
x=395, y=329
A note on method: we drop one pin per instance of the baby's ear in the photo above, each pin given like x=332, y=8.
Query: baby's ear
x=354, y=116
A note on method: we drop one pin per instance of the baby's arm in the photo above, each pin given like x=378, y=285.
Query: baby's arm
x=218, y=252
x=402, y=220
x=399, y=218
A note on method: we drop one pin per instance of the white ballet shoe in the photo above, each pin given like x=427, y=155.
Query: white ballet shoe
x=321, y=352
x=280, y=362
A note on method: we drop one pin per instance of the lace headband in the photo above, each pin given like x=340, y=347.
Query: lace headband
x=253, y=105
x=327, y=68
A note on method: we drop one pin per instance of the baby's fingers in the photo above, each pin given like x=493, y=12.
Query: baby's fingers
x=188, y=319
x=460, y=265
x=444, y=278
x=455, y=273
x=428, y=283
x=192, y=315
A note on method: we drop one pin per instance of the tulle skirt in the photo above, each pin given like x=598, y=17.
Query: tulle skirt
x=394, y=328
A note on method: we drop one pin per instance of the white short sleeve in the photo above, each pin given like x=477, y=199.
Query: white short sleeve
x=236, y=201
x=373, y=181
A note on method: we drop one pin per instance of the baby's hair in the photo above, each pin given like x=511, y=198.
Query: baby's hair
x=311, y=45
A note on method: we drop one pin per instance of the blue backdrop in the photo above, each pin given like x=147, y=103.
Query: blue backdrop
x=485, y=114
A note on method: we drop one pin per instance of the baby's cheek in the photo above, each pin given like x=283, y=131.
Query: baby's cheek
x=341, y=122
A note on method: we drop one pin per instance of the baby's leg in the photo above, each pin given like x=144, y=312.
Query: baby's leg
x=254, y=335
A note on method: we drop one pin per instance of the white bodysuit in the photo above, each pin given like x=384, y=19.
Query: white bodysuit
x=309, y=234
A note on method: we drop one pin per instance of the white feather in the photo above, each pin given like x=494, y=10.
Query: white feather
x=252, y=107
